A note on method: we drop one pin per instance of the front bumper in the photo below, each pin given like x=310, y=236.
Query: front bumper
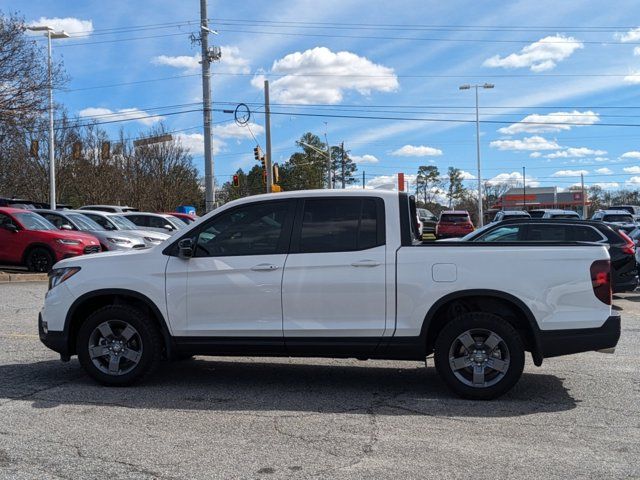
x=565, y=342
x=57, y=341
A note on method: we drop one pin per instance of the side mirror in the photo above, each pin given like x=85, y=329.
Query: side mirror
x=185, y=248
x=66, y=226
x=168, y=227
x=10, y=227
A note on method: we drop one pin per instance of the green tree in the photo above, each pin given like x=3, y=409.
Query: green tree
x=307, y=169
x=428, y=184
x=455, y=188
x=350, y=166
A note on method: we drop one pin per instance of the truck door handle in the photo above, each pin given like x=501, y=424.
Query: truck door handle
x=264, y=267
x=365, y=263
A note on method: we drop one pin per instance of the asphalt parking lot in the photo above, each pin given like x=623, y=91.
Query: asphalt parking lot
x=576, y=417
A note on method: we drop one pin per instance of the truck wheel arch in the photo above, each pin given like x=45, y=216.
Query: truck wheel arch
x=96, y=299
x=522, y=318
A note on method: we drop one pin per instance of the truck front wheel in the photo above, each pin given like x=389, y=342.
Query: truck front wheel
x=479, y=355
x=119, y=345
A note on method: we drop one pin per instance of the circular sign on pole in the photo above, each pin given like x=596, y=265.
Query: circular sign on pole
x=242, y=114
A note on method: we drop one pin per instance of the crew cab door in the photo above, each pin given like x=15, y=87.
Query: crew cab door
x=231, y=287
x=334, y=278
x=11, y=242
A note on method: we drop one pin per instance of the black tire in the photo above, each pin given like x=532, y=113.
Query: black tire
x=507, y=355
x=39, y=259
x=146, y=344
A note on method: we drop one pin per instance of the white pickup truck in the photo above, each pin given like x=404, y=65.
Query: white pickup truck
x=331, y=274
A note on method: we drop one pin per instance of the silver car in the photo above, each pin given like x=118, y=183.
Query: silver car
x=115, y=221
x=158, y=222
x=109, y=208
x=109, y=240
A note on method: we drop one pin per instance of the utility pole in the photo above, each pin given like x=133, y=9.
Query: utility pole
x=208, y=56
x=363, y=180
x=329, y=165
x=342, y=149
x=584, y=203
x=267, y=128
x=524, y=188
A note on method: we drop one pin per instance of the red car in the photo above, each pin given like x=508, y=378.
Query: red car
x=28, y=239
x=453, y=223
x=185, y=217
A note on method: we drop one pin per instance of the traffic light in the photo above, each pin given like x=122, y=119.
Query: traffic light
x=276, y=173
x=77, y=150
x=264, y=177
x=257, y=153
x=236, y=181
x=105, y=150
x=35, y=147
x=263, y=161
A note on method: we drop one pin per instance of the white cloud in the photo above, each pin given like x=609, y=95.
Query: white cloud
x=233, y=130
x=513, y=179
x=539, y=56
x=554, y=122
x=73, y=26
x=106, y=114
x=231, y=60
x=417, y=151
x=364, y=159
x=636, y=51
x=606, y=185
x=604, y=171
x=389, y=182
x=194, y=142
x=319, y=75
x=632, y=35
x=634, y=169
x=570, y=173
x=186, y=62
x=634, y=181
x=575, y=152
x=634, y=77
x=527, y=143
x=632, y=154
x=467, y=175
x=535, y=154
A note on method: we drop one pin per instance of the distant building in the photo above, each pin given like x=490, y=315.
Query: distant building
x=540, y=197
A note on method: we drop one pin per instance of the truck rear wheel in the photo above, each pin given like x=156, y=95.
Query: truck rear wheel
x=479, y=356
x=119, y=345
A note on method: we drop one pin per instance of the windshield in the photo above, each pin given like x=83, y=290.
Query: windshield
x=536, y=213
x=84, y=223
x=176, y=222
x=564, y=215
x=454, y=218
x=618, y=218
x=122, y=223
x=31, y=221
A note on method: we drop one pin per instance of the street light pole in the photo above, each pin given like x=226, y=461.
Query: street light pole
x=468, y=87
x=52, y=162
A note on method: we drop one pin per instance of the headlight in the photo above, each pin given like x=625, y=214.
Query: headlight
x=119, y=241
x=59, y=275
x=68, y=241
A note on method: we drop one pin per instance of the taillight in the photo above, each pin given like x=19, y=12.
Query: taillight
x=601, y=280
x=629, y=247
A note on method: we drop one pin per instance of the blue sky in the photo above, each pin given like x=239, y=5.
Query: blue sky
x=553, y=64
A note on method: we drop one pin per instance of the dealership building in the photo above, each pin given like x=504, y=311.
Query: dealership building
x=531, y=198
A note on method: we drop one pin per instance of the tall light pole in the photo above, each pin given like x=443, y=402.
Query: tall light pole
x=51, y=34
x=468, y=87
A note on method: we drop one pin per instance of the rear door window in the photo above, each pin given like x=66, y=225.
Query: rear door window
x=507, y=233
x=547, y=233
x=586, y=234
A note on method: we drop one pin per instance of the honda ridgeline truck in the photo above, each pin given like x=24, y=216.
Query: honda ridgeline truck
x=331, y=274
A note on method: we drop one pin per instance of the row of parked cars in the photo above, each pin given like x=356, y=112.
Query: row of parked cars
x=617, y=227
x=38, y=238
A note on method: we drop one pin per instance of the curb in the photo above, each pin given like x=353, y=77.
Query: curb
x=22, y=277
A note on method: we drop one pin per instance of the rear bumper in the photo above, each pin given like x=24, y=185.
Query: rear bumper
x=565, y=342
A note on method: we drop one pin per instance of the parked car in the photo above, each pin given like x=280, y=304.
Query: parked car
x=621, y=218
x=331, y=274
x=561, y=214
x=29, y=240
x=428, y=221
x=185, y=217
x=634, y=210
x=157, y=222
x=116, y=222
x=509, y=214
x=624, y=269
x=635, y=237
x=109, y=208
x=453, y=223
x=109, y=240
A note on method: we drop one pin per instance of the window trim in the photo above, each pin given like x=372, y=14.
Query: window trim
x=381, y=239
x=521, y=228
